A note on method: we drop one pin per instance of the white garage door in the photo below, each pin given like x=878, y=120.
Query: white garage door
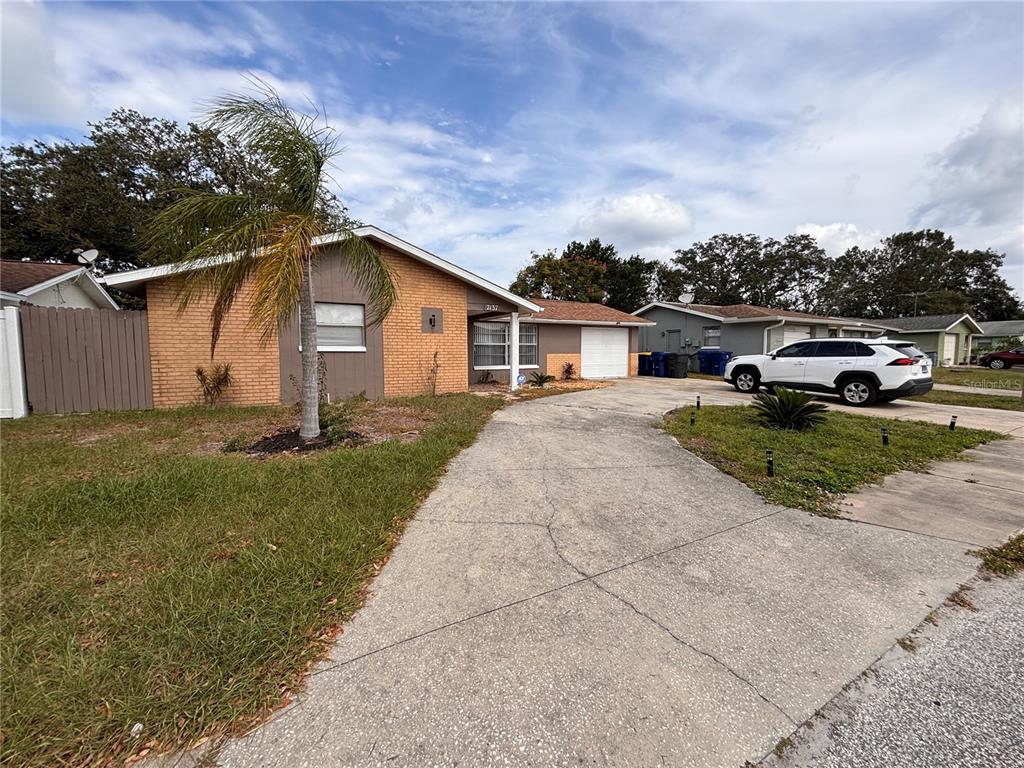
x=604, y=353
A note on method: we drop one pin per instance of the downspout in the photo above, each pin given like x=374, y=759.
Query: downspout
x=779, y=324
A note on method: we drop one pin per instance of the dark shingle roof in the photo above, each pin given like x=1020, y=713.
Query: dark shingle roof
x=16, y=276
x=745, y=311
x=582, y=311
x=921, y=322
x=1003, y=328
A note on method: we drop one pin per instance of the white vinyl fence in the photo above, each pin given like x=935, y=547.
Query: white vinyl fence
x=12, y=372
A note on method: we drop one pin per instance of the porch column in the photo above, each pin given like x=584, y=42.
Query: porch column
x=513, y=351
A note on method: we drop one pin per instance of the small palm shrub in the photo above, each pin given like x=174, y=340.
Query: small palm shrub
x=213, y=381
x=538, y=379
x=569, y=371
x=788, y=409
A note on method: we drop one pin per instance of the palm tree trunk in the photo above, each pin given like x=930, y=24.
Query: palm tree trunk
x=309, y=426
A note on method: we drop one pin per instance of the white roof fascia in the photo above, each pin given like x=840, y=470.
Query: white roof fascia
x=587, y=322
x=49, y=283
x=92, y=286
x=134, y=277
x=12, y=297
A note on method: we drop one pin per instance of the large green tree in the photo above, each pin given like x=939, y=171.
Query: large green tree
x=918, y=273
x=102, y=192
x=578, y=274
x=265, y=236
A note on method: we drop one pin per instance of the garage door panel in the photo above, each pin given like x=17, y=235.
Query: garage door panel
x=604, y=353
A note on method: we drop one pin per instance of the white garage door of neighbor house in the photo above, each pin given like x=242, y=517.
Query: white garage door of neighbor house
x=787, y=334
x=949, y=349
x=604, y=353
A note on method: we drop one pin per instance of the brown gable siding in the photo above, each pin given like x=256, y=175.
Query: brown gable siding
x=408, y=351
x=179, y=342
x=347, y=373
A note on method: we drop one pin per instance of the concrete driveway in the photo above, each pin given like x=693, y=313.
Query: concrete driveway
x=579, y=590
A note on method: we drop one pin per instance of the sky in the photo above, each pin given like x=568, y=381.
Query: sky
x=483, y=132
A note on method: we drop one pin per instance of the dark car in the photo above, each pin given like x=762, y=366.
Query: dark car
x=1005, y=359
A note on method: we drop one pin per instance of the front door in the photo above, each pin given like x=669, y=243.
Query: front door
x=788, y=364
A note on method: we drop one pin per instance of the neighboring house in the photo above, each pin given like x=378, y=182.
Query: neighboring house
x=946, y=339
x=67, y=286
x=742, y=329
x=994, y=331
x=447, y=328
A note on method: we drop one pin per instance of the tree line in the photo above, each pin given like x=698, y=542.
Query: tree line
x=908, y=273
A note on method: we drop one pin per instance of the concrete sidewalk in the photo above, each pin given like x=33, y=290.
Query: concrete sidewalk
x=978, y=390
x=579, y=590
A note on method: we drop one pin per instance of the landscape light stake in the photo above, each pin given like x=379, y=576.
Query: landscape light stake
x=952, y=423
x=698, y=402
x=885, y=436
x=769, y=456
x=693, y=418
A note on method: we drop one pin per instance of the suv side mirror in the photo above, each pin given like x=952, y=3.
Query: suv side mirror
x=774, y=356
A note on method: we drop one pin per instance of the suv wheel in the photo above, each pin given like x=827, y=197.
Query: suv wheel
x=996, y=363
x=746, y=381
x=858, y=392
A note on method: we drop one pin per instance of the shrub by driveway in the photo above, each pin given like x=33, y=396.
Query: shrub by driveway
x=149, y=578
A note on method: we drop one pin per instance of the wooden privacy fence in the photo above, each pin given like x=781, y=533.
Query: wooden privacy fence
x=80, y=360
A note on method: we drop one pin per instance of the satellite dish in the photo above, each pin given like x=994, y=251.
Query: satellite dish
x=86, y=257
x=686, y=298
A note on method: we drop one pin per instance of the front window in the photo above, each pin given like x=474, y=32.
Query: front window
x=713, y=336
x=340, y=328
x=491, y=343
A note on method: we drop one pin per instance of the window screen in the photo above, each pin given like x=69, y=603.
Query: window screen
x=339, y=325
x=528, y=344
x=712, y=336
x=490, y=344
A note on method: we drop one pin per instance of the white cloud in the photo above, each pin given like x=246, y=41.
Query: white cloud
x=635, y=221
x=837, y=238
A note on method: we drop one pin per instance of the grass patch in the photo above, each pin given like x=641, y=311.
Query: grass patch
x=1005, y=560
x=1008, y=378
x=149, y=577
x=812, y=469
x=970, y=399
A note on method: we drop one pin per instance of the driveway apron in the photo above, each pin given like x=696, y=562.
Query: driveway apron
x=579, y=590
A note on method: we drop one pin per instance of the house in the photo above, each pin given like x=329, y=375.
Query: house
x=743, y=329
x=992, y=332
x=69, y=286
x=448, y=328
x=946, y=339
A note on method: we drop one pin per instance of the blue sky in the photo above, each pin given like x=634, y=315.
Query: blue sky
x=485, y=131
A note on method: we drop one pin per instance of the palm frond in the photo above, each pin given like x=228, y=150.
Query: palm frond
x=372, y=274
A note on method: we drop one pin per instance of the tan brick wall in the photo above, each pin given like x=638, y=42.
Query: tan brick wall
x=553, y=364
x=634, y=363
x=408, y=352
x=179, y=342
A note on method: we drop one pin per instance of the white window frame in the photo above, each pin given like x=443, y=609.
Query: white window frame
x=704, y=336
x=506, y=366
x=342, y=347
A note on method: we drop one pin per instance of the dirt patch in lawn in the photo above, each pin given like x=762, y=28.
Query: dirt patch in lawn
x=531, y=393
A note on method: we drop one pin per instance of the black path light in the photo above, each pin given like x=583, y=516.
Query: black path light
x=693, y=418
x=698, y=402
x=952, y=423
x=885, y=436
x=769, y=456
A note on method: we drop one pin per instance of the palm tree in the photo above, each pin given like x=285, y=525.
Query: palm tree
x=267, y=239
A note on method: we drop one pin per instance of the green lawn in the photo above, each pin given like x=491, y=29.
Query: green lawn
x=970, y=399
x=813, y=468
x=980, y=377
x=150, y=578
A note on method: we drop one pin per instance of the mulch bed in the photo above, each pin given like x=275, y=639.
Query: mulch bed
x=288, y=441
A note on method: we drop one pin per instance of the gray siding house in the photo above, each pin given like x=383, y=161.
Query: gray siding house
x=742, y=329
x=946, y=339
x=995, y=331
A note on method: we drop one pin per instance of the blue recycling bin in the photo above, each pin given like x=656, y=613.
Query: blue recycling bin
x=659, y=363
x=711, y=362
x=644, y=364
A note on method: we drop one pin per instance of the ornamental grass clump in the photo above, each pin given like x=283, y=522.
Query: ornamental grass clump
x=787, y=409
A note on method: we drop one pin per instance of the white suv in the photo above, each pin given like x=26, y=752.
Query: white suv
x=860, y=371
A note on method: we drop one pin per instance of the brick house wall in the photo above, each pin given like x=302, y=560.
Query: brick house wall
x=179, y=342
x=408, y=350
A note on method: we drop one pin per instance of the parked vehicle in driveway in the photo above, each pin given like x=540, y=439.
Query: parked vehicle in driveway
x=1005, y=359
x=860, y=371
